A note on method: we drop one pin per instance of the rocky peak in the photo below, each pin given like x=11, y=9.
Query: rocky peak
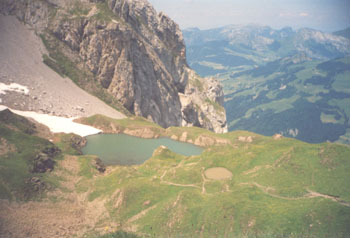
x=321, y=45
x=135, y=54
x=134, y=11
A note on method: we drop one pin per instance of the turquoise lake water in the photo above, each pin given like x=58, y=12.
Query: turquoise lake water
x=120, y=149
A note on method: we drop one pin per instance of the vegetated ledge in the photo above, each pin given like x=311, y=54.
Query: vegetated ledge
x=141, y=127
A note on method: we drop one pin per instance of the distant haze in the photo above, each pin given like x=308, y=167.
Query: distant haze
x=326, y=15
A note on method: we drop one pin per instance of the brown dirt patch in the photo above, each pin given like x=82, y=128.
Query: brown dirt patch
x=256, y=169
x=6, y=147
x=218, y=173
x=65, y=213
x=248, y=139
x=42, y=219
x=277, y=136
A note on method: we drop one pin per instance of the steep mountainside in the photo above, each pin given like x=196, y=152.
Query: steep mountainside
x=133, y=53
x=236, y=48
x=46, y=91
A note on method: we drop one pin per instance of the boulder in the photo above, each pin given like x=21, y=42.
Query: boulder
x=35, y=184
x=44, y=160
x=78, y=142
x=42, y=163
x=99, y=165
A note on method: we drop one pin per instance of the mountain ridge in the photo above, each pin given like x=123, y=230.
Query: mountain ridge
x=128, y=52
x=236, y=48
x=345, y=33
x=271, y=76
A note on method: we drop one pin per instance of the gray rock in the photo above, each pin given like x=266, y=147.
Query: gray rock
x=78, y=142
x=99, y=165
x=42, y=163
x=138, y=56
x=34, y=185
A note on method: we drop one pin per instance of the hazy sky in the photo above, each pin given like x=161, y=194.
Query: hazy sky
x=327, y=15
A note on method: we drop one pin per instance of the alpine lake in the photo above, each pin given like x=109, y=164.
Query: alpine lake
x=121, y=149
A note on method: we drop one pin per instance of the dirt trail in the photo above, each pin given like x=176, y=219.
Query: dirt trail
x=180, y=185
x=21, y=62
x=217, y=173
x=176, y=184
x=140, y=214
x=204, y=191
x=311, y=194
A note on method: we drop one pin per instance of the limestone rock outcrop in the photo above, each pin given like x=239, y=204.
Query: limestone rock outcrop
x=136, y=54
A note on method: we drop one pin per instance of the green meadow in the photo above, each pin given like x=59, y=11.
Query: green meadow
x=280, y=187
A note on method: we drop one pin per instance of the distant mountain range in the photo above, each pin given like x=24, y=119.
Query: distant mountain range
x=295, y=83
x=237, y=48
x=345, y=33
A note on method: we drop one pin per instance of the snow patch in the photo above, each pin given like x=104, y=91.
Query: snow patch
x=14, y=87
x=2, y=108
x=58, y=124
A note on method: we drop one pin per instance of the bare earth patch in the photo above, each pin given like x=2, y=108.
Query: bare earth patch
x=218, y=173
x=311, y=194
x=5, y=147
x=64, y=214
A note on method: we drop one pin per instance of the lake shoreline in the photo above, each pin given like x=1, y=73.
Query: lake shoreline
x=122, y=149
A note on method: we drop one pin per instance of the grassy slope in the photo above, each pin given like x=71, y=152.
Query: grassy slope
x=276, y=189
x=310, y=96
x=220, y=57
x=15, y=166
x=279, y=187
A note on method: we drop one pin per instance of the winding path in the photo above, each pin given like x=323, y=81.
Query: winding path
x=176, y=184
x=309, y=195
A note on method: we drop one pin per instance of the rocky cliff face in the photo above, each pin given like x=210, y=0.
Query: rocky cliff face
x=137, y=55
